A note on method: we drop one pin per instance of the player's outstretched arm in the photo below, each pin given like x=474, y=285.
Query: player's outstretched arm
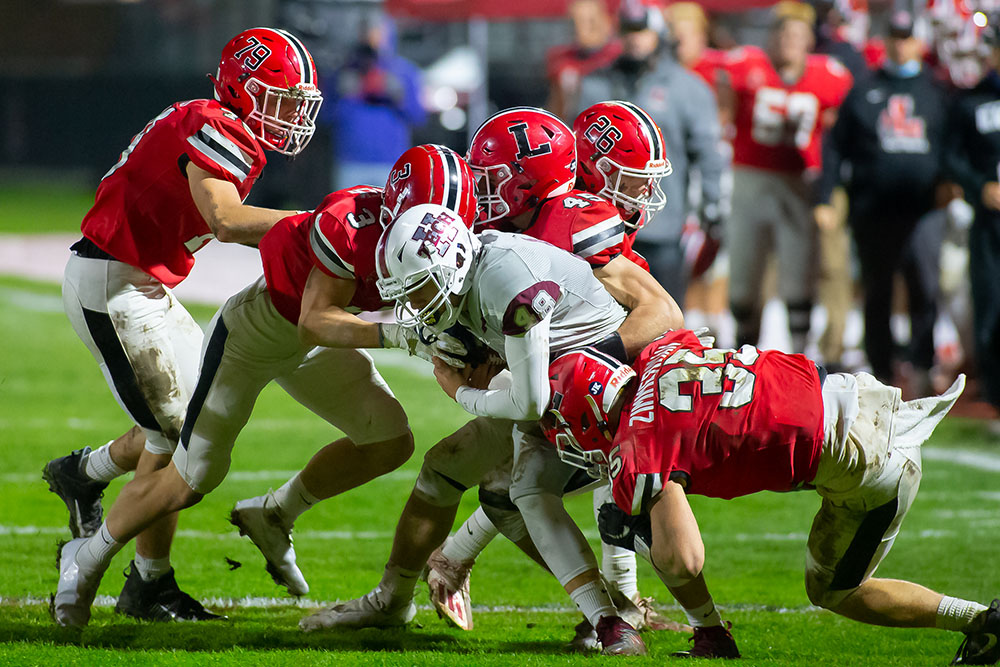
x=323, y=319
x=651, y=309
x=227, y=216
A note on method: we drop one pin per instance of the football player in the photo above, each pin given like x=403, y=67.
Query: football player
x=295, y=325
x=621, y=158
x=522, y=298
x=180, y=183
x=423, y=174
x=781, y=100
x=690, y=419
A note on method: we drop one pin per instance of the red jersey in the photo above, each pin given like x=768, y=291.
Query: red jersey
x=578, y=222
x=338, y=238
x=732, y=422
x=778, y=125
x=566, y=64
x=710, y=62
x=144, y=214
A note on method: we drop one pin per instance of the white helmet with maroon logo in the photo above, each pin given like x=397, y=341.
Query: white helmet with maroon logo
x=427, y=245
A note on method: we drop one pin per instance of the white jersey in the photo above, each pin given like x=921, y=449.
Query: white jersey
x=519, y=280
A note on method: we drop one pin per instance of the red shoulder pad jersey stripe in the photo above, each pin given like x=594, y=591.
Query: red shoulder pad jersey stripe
x=338, y=238
x=581, y=223
x=733, y=422
x=143, y=212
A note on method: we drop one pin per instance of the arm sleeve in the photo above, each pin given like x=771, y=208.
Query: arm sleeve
x=528, y=396
x=958, y=165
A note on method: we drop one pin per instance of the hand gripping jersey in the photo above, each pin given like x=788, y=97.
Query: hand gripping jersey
x=778, y=125
x=732, y=422
x=579, y=222
x=144, y=214
x=518, y=281
x=339, y=238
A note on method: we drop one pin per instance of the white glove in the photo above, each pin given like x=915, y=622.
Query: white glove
x=445, y=347
x=705, y=336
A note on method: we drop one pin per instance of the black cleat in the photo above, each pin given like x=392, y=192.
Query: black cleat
x=160, y=600
x=981, y=645
x=712, y=642
x=82, y=495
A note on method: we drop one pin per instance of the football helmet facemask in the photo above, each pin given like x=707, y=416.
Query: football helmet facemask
x=622, y=158
x=430, y=174
x=584, y=384
x=521, y=156
x=423, y=259
x=267, y=77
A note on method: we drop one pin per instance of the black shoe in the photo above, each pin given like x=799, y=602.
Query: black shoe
x=82, y=495
x=981, y=645
x=712, y=642
x=159, y=600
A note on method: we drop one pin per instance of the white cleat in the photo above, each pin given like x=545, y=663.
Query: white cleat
x=364, y=612
x=74, y=594
x=258, y=519
x=448, y=581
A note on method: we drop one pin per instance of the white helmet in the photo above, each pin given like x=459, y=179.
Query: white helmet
x=426, y=245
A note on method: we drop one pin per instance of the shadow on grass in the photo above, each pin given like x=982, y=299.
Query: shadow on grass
x=274, y=634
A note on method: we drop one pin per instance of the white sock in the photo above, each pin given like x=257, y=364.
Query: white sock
x=593, y=601
x=471, y=538
x=100, y=467
x=956, y=614
x=292, y=499
x=619, y=568
x=151, y=569
x=704, y=616
x=397, y=586
x=96, y=553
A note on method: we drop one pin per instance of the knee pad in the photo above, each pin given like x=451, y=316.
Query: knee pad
x=437, y=489
x=504, y=514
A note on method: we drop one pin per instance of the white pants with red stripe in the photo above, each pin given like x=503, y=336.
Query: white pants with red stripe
x=146, y=343
x=249, y=344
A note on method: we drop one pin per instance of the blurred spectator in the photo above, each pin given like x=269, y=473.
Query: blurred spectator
x=594, y=47
x=374, y=101
x=782, y=99
x=685, y=109
x=706, y=302
x=842, y=34
x=974, y=161
x=891, y=133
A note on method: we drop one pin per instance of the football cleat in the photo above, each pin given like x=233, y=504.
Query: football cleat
x=258, y=519
x=712, y=642
x=159, y=600
x=584, y=638
x=641, y=614
x=82, y=495
x=367, y=611
x=70, y=606
x=619, y=638
x=981, y=645
x=448, y=582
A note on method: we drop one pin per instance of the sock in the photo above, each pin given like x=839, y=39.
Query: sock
x=96, y=553
x=99, y=466
x=151, y=569
x=397, y=586
x=704, y=616
x=619, y=568
x=292, y=499
x=471, y=538
x=593, y=601
x=957, y=614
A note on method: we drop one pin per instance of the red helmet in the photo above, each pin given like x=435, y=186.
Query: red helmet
x=521, y=156
x=267, y=77
x=615, y=140
x=585, y=385
x=430, y=174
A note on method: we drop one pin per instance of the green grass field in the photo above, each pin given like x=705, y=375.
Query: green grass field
x=53, y=400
